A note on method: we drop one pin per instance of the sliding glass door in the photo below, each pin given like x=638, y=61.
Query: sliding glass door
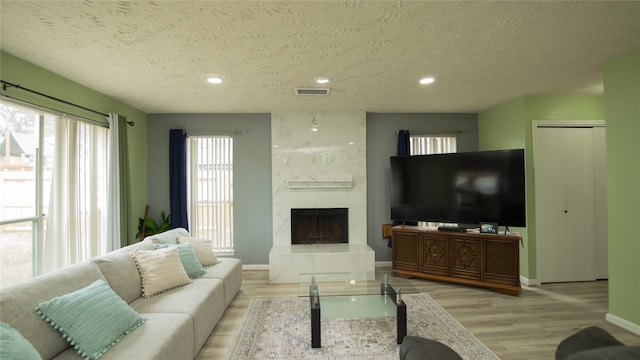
x=53, y=173
x=21, y=180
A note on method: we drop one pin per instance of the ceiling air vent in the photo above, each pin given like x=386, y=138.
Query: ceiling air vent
x=312, y=91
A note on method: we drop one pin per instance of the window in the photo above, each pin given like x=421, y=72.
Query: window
x=210, y=189
x=35, y=146
x=431, y=144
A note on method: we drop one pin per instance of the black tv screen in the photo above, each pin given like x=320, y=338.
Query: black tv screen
x=462, y=188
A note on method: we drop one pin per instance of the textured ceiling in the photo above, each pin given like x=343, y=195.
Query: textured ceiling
x=156, y=56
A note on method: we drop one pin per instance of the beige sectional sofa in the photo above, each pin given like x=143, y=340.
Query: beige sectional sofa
x=178, y=321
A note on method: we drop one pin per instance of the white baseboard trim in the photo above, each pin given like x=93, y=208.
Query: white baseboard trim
x=528, y=282
x=255, y=267
x=625, y=324
x=379, y=265
x=387, y=265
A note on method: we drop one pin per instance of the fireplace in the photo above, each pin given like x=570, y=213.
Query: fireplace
x=320, y=226
x=323, y=169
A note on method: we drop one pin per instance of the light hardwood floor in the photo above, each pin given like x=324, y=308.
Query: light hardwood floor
x=528, y=326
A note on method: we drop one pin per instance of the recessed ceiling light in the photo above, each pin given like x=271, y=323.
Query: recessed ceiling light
x=427, y=80
x=214, y=80
x=322, y=80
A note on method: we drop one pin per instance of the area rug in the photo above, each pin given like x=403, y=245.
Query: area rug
x=280, y=329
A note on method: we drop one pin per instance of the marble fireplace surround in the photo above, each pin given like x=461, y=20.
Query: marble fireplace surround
x=325, y=168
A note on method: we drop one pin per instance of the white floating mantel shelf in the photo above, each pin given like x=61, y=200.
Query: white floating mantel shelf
x=310, y=183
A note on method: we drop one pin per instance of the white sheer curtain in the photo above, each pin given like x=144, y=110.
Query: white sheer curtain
x=113, y=197
x=77, y=210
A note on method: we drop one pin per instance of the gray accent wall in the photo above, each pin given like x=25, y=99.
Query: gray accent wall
x=253, y=216
x=251, y=176
x=382, y=143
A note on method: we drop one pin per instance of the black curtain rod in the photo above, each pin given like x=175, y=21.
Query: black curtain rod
x=6, y=85
x=443, y=132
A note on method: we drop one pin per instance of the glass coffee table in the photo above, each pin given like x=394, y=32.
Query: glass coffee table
x=355, y=295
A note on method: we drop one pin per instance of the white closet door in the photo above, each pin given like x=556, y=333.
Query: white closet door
x=580, y=200
x=550, y=170
x=565, y=197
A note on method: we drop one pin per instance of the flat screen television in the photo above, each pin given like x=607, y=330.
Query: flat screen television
x=460, y=188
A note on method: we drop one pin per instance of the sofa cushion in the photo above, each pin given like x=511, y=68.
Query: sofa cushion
x=92, y=319
x=14, y=346
x=162, y=337
x=203, y=249
x=615, y=352
x=188, y=258
x=121, y=271
x=588, y=338
x=168, y=237
x=18, y=301
x=160, y=270
x=229, y=270
x=419, y=348
x=202, y=300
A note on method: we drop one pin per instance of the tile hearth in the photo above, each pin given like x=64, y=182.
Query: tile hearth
x=288, y=261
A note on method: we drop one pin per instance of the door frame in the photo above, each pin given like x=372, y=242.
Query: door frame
x=535, y=124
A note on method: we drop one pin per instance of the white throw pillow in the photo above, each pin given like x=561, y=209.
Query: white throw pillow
x=161, y=270
x=203, y=249
x=168, y=237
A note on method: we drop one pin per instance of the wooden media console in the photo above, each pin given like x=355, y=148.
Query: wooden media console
x=490, y=261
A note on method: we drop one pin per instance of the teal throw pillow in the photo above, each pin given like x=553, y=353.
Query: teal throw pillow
x=91, y=319
x=14, y=346
x=188, y=258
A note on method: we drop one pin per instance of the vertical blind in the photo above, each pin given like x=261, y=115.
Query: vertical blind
x=211, y=189
x=426, y=145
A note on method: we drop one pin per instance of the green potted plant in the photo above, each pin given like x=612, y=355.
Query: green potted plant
x=148, y=226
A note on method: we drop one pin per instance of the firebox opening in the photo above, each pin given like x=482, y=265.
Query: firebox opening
x=320, y=226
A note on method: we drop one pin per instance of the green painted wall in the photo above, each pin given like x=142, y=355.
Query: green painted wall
x=503, y=127
x=622, y=109
x=20, y=72
x=564, y=107
x=509, y=125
